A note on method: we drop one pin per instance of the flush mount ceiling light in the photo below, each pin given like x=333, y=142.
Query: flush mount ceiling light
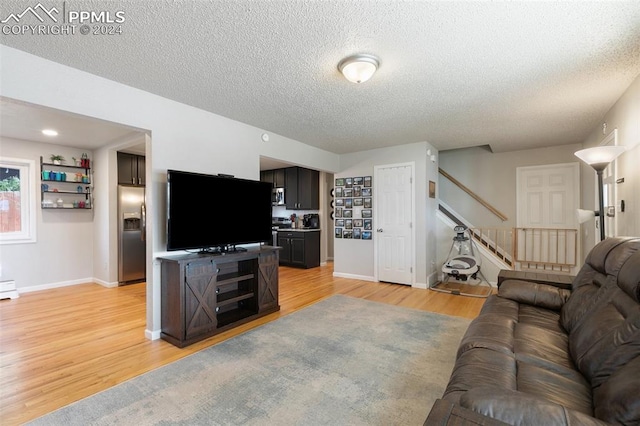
x=49, y=132
x=359, y=68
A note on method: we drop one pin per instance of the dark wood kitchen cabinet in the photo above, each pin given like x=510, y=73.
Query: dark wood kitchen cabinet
x=275, y=177
x=131, y=169
x=302, y=189
x=299, y=248
x=204, y=294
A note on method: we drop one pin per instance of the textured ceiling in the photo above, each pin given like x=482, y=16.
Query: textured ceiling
x=511, y=75
x=26, y=121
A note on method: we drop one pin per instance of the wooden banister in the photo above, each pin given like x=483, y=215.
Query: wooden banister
x=473, y=195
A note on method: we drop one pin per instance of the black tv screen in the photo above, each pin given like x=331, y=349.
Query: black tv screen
x=215, y=212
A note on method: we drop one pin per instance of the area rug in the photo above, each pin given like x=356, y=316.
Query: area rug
x=341, y=361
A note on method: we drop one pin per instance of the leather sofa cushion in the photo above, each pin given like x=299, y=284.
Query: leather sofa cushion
x=501, y=306
x=596, y=278
x=607, y=338
x=583, y=300
x=542, y=295
x=519, y=408
x=489, y=331
x=567, y=388
x=493, y=327
x=629, y=277
x=603, y=257
x=481, y=367
x=617, y=399
x=544, y=348
x=539, y=317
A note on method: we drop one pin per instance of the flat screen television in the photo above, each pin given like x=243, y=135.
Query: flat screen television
x=214, y=213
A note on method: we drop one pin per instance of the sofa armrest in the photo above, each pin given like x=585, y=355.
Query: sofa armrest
x=445, y=413
x=534, y=294
x=514, y=407
x=556, y=280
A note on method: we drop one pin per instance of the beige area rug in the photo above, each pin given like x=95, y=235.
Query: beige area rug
x=341, y=361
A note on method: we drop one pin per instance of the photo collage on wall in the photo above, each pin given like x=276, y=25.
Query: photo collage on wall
x=353, y=208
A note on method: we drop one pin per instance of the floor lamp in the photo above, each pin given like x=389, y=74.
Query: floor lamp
x=599, y=158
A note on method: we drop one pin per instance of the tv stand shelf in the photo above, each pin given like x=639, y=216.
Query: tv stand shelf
x=232, y=278
x=234, y=316
x=233, y=296
x=205, y=294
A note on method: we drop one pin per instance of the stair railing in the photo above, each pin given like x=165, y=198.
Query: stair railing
x=498, y=241
x=474, y=195
x=547, y=249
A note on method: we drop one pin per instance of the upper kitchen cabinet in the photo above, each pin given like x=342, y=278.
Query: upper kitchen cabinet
x=275, y=177
x=302, y=189
x=131, y=169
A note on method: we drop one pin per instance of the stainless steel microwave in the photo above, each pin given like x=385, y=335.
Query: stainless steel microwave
x=278, y=197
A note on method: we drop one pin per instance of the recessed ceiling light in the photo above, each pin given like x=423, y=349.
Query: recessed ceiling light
x=49, y=132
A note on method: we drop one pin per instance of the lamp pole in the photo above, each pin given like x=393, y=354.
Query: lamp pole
x=601, y=201
x=599, y=158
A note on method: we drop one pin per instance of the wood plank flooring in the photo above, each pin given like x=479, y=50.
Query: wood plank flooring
x=61, y=345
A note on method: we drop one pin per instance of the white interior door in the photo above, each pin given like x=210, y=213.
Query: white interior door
x=394, y=228
x=547, y=198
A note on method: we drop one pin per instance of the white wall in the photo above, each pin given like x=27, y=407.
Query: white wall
x=356, y=257
x=624, y=115
x=63, y=251
x=183, y=137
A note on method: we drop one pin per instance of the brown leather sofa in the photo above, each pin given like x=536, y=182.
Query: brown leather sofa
x=540, y=353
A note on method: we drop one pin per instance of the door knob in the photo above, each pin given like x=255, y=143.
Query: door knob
x=379, y=229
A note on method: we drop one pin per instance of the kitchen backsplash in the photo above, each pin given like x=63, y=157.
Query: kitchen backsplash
x=281, y=211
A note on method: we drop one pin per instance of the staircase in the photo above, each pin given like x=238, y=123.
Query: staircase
x=539, y=249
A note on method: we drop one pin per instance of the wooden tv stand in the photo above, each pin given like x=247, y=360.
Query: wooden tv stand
x=206, y=294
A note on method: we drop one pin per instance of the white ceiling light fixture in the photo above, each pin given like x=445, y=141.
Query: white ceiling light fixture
x=359, y=68
x=49, y=132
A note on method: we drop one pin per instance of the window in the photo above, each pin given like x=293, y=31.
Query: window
x=17, y=201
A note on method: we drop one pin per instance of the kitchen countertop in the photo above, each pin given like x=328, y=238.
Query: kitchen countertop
x=298, y=229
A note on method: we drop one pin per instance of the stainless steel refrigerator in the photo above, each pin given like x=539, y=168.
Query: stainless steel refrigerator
x=131, y=235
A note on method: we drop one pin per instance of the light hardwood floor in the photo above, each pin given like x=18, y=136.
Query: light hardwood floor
x=58, y=346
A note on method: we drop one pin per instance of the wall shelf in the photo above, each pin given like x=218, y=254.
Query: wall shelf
x=64, y=187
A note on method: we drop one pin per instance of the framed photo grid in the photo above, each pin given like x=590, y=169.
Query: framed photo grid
x=354, y=208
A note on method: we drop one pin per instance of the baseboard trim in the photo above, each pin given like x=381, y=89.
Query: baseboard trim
x=105, y=283
x=354, y=276
x=152, y=335
x=59, y=284
x=420, y=285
